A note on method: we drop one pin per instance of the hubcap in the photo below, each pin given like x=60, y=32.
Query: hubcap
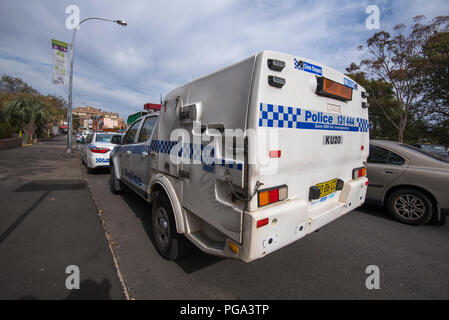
x=162, y=227
x=409, y=207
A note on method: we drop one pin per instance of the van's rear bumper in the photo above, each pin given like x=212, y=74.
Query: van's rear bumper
x=295, y=218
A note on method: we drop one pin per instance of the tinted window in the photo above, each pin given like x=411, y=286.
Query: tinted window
x=131, y=133
x=147, y=129
x=380, y=155
x=106, y=138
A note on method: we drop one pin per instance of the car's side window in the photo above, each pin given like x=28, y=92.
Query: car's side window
x=147, y=129
x=395, y=159
x=380, y=155
x=131, y=133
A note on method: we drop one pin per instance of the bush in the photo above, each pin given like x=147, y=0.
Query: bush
x=6, y=130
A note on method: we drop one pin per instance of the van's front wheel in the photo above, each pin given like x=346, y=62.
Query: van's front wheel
x=170, y=244
x=114, y=183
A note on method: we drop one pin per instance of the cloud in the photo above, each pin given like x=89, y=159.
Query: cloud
x=166, y=43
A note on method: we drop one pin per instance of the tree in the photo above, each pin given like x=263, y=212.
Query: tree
x=28, y=114
x=398, y=60
x=13, y=85
x=435, y=64
x=382, y=103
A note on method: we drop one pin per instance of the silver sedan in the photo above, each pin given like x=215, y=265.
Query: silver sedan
x=413, y=185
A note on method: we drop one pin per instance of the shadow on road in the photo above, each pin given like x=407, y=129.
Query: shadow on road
x=42, y=185
x=195, y=261
x=89, y=290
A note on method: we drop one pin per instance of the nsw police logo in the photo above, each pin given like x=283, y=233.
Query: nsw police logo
x=332, y=139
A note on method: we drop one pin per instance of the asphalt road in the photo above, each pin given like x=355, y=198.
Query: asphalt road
x=49, y=221
x=329, y=264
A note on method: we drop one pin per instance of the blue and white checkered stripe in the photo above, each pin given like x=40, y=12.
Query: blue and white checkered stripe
x=363, y=125
x=191, y=151
x=278, y=116
x=275, y=116
x=102, y=160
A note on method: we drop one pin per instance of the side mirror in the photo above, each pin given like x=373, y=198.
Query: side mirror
x=116, y=140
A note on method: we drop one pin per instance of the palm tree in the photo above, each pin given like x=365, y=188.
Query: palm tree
x=28, y=114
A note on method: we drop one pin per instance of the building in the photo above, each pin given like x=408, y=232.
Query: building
x=96, y=119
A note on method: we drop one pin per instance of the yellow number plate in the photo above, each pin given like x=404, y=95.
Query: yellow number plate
x=326, y=188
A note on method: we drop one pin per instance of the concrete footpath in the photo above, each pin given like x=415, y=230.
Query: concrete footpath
x=49, y=221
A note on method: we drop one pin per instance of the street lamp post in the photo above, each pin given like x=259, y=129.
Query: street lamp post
x=69, y=110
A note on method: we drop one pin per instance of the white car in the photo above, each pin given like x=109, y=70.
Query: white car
x=96, y=149
x=84, y=135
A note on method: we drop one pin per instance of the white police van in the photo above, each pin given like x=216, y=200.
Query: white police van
x=249, y=159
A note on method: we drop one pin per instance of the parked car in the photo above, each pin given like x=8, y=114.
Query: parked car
x=411, y=183
x=96, y=149
x=437, y=150
x=84, y=135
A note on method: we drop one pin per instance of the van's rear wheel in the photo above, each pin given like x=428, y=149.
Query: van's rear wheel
x=410, y=206
x=170, y=244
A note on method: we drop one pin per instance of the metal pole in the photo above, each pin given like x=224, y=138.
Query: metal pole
x=69, y=110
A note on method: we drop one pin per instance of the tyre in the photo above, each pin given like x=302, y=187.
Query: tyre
x=89, y=170
x=115, y=184
x=410, y=206
x=170, y=244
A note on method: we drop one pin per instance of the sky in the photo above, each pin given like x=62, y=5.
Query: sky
x=168, y=43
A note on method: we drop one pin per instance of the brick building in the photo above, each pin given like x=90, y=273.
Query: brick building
x=96, y=119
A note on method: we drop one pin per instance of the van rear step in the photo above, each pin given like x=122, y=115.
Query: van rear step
x=207, y=244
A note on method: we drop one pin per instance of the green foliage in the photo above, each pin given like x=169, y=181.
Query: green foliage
x=28, y=114
x=398, y=60
x=13, y=85
x=24, y=108
x=6, y=130
x=435, y=64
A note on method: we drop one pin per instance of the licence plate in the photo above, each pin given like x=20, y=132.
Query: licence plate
x=326, y=188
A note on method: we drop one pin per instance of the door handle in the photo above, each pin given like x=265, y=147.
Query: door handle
x=389, y=171
x=153, y=154
x=128, y=153
x=144, y=154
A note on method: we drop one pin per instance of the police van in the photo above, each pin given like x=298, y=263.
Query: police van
x=248, y=159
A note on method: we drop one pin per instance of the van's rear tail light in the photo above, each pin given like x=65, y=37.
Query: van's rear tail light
x=275, y=154
x=272, y=195
x=262, y=222
x=333, y=89
x=99, y=150
x=358, y=172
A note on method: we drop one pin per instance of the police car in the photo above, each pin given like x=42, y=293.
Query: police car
x=96, y=149
x=249, y=159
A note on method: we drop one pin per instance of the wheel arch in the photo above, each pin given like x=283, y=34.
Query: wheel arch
x=113, y=162
x=432, y=198
x=162, y=184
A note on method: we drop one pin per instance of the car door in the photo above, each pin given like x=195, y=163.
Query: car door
x=383, y=168
x=125, y=152
x=141, y=159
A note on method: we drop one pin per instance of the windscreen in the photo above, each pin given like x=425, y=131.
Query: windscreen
x=105, y=138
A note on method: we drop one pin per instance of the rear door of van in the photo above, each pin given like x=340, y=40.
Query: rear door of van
x=305, y=138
